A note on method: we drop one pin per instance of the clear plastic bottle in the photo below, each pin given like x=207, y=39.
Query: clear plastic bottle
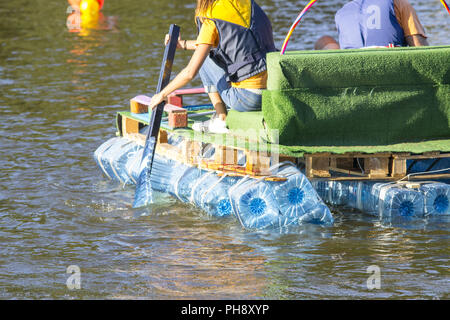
x=372, y=206
x=296, y=198
x=353, y=188
x=98, y=154
x=321, y=214
x=364, y=196
x=436, y=198
x=399, y=202
x=212, y=194
x=133, y=163
x=323, y=189
x=254, y=204
x=338, y=193
x=107, y=156
x=120, y=158
x=163, y=174
x=184, y=182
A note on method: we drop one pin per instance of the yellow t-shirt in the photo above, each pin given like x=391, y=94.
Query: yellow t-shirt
x=408, y=19
x=208, y=35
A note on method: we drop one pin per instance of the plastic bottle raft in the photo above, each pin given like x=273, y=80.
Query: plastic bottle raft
x=256, y=203
x=388, y=200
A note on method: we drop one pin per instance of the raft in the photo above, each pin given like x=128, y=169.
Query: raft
x=337, y=127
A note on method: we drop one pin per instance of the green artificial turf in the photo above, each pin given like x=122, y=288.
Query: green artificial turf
x=370, y=97
x=255, y=139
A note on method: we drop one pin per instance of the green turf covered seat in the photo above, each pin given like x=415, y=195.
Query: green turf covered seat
x=358, y=97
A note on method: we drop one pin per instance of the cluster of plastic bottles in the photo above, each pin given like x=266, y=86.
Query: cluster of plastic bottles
x=260, y=204
x=256, y=203
x=388, y=200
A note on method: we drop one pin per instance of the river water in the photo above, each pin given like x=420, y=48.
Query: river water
x=59, y=94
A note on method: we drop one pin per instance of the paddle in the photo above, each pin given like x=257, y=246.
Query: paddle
x=143, y=193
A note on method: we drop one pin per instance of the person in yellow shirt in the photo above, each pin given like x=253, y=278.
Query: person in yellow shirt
x=367, y=23
x=233, y=39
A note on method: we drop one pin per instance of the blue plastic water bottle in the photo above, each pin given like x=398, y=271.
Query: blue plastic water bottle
x=214, y=198
x=436, y=198
x=99, y=154
x=397, y=202
x=254, y=204
x=323, y=189
x=296, y=198
x=338, y=192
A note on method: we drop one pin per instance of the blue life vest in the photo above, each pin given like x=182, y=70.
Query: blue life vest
x=365, y=23
x=242, y=47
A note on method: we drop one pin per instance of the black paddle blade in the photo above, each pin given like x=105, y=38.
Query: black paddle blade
x=143, y=193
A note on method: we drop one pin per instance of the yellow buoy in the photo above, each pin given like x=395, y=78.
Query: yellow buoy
x=89, y=7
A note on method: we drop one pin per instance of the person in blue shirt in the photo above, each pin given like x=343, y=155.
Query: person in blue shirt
x=375, y=23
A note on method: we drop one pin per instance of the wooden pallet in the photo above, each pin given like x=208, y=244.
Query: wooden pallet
x=346, y=166
x=363, y=166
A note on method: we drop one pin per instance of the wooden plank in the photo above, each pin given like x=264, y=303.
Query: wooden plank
x=257, y=162
x=176, y=97
x=169, y=151
x=172, y=108
x=348, y=155
x=399, y=168
x=225, y=155
x=136, y=107
x=178, y=119
x=350, y=172
x=139, y=104
x=189, y=91
x=163, y=136
x=317, y=166
x=425, y=155
x=376, y=167
x=419, y=177
x=190, y=150
x=129, y=125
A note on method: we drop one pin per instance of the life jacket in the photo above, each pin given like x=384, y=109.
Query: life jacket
x=365, y=23
x=245, y=37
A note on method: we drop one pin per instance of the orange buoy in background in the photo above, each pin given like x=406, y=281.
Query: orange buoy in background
x=89, y=7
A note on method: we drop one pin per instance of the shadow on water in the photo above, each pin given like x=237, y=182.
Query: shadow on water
x=60, y=91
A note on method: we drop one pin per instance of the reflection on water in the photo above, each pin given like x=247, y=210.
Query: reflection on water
x=60, y=91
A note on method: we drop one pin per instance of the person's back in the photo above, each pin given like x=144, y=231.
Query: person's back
x=366, y=23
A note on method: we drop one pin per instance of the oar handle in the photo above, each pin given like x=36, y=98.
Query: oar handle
x=143, y=195
x=164, y=78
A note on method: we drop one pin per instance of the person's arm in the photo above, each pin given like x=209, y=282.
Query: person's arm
x=410, y=23
x=185, y=76
x=182, y=44
x=416, y=40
